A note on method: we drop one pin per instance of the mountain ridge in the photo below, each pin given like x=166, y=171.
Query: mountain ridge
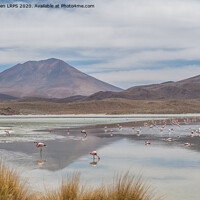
x=51, y=78
x=184, y=89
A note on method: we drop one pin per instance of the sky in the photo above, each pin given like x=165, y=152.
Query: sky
x=122, y=42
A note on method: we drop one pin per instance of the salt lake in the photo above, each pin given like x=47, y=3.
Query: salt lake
x=171, y=167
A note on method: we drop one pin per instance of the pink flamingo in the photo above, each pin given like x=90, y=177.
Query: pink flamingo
x=163, y=126
x=111, y=132
x=7, y=132
x=192, y=134
x=170, y=139
x=171, y=129
x=187, y=144
x=94, y=153
x=138, y=132
x=40, y=144
x=67, y=130
x=147, y=142
x=84, y=132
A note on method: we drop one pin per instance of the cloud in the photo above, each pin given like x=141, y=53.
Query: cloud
x=123, y=36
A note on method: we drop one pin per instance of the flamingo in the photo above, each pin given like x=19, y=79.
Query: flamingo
x=6, y=131
x=67, y=130
x=40, y=144
x=163, y=126
x=171, y=129
x=84, y=132
x=187, y=144
x=147, y=142
x=138, y=132
x=178, y=125
x=94, y=153
x=170, y=139
x=192, y=134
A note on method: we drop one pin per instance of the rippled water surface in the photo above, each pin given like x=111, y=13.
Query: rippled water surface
x=170, y=166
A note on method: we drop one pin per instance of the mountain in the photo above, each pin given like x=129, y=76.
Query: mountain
x=5, y=98
x=50, y=78
x=184, y=89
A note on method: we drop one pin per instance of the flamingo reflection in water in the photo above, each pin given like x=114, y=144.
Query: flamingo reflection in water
x=41, y=161
x=94, y=163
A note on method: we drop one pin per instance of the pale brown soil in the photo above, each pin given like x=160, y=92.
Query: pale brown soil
x=108, y=106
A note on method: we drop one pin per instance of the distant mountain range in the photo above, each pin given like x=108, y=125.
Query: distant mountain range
x=50, y=78
x=184, y=89
x=59, y=82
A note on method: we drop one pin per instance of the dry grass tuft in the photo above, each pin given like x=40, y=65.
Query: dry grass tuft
x=124, y=187
x=11, y=187
x=69, y=189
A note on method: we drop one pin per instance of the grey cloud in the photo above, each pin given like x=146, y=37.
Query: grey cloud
x=120, y=34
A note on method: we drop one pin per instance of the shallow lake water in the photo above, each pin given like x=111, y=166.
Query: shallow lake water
x=169, y=166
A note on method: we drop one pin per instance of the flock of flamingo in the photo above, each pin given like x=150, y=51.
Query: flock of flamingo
x=151, y=124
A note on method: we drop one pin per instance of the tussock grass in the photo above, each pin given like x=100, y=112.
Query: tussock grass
x=11, y=187
x=124, y=187
x=69, y=190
